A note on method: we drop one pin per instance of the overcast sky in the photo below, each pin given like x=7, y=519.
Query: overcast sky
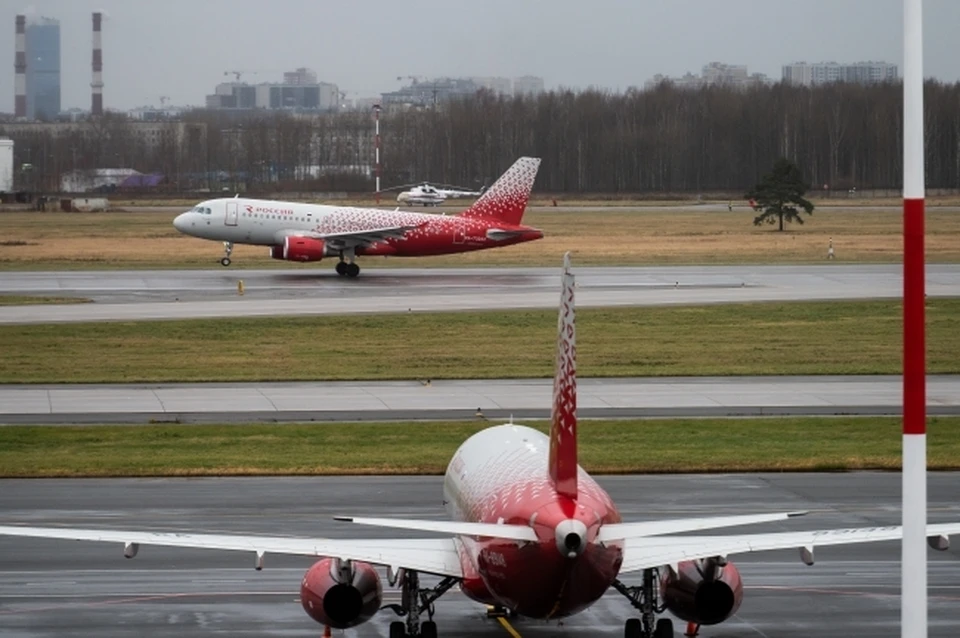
x=181, y=48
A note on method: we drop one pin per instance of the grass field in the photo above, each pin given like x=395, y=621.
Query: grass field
x=679, y=445
x=27, y=300
x=598, y=236
x=760, y=338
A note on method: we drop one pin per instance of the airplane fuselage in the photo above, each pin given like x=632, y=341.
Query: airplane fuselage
x=268, y=222
x=500, y=475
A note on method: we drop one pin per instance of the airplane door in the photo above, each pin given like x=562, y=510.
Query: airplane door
x=231, y=219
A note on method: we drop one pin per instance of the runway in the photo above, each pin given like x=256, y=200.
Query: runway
x=467, y=399
x=137, y=295
x=55, y=588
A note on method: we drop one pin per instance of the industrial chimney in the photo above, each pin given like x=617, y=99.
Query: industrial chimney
x=20, y=68
x=96, y=108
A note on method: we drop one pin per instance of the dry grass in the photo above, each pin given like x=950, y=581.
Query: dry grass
x=600, y=236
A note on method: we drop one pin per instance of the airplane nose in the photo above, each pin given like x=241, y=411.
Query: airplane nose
x=180, y=222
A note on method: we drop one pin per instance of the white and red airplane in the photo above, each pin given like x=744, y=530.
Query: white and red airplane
x=531, y=533
x=311, y=232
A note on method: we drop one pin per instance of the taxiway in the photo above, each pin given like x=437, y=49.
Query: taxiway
x=466, y=399
x=184, y=294
x=54, y=588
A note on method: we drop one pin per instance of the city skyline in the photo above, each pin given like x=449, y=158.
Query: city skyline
x=153, y=50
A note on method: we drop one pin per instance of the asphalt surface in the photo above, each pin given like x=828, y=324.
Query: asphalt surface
x=182, y=294
x=492, y=399
x=56, y=588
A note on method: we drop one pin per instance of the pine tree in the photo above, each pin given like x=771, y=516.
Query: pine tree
x=779, y=195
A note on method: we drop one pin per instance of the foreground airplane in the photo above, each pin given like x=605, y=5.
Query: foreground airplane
x=311, y=232
x=531, y=533
x=430, y=195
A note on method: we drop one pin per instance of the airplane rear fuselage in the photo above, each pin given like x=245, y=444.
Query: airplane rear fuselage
x=267, y=222
x=500, y=475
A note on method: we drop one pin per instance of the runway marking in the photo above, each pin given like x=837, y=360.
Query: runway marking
x=508, y=627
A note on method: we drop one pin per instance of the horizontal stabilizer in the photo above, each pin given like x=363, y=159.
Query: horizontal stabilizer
x=493, y=530
x=621, y=531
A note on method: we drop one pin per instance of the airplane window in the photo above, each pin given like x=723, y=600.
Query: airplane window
x=209, y=212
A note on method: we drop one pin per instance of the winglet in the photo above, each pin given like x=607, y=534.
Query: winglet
x=563, y=427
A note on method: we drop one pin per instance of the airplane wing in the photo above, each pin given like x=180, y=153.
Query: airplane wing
x=429, y=555
x=354, y=238
x=655, y=551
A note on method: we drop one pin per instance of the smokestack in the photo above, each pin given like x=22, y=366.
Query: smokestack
x=20, y=68
x=96, y=107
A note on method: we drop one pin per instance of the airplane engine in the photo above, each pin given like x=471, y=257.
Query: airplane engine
x=341, y=594
x=299, y=249
x=705, y=592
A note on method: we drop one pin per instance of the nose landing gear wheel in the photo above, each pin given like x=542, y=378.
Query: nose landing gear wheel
x=225, y=261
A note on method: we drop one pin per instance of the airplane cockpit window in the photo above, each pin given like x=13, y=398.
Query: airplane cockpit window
x=208, y=211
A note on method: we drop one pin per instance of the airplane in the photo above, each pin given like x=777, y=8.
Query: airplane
x=311, y=232
x=430, y=195
x=530, y=533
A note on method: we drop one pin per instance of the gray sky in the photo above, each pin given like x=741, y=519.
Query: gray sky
x=180, y=48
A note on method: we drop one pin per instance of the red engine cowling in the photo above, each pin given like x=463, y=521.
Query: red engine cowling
x=299, y=249
x=341, y=594
x=705, y=592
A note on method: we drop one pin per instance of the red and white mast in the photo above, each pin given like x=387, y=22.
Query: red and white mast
x=913, y=618
x=376, y=117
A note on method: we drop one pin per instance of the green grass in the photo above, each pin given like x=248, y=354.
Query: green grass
x=861, y=337
x=678, y=445
x=26, y=300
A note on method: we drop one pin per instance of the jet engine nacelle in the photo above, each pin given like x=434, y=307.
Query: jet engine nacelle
x=299, y=249
x=705, y=592
x=341, y=594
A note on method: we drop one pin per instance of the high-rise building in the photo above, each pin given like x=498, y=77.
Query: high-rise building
x=299, y=91
x=818, y=73
x=713, y=74
x=42, y=41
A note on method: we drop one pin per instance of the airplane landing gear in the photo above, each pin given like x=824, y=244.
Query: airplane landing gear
x=347, y=268
x=414, y=602
x=645, y=598
x=227, y=251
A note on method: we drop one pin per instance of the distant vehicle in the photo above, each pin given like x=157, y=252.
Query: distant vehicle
x=311, y=232
x=529, y=532
x=430, y=195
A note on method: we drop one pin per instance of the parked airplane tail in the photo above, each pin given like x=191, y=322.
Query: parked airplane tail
x=507, y=198
x=563, y=426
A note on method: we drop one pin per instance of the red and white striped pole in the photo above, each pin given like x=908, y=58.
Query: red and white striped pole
x=376, y=115
x=913, y=616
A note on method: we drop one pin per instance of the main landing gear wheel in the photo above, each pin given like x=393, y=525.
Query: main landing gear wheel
x=645, y=599
x=227, y=251
x=345, y=269
x=415, y=601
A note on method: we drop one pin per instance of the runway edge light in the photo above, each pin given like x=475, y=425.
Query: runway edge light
x=913, y=613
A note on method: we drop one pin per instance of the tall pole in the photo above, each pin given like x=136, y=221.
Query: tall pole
x=376, y=116
x=913, y=620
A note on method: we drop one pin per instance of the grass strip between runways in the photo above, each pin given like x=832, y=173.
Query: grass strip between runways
x=835, y=337
x=620, y=446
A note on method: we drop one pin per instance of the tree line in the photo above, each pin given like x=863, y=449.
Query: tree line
x=661, y=140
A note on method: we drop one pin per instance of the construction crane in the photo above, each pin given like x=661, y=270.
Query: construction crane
x=237, y=74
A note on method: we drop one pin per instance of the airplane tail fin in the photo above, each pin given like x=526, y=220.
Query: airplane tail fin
x=563, y=426
x=507, y=199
